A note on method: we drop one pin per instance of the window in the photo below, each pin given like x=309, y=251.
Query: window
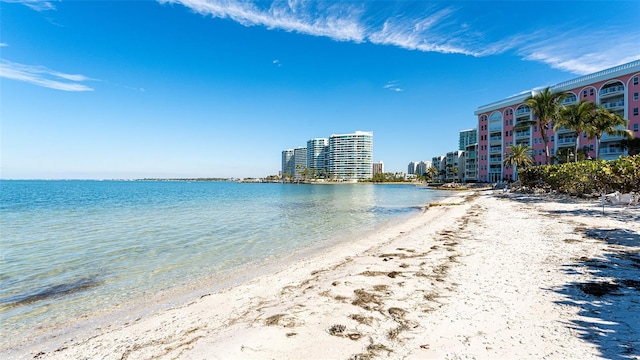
x=635, y=96
x=635, y=111
x=584, y=93
x=635, y=80
x=635, y=127
x=591, y=92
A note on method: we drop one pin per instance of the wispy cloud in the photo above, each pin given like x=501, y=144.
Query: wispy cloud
x=450, y=28
x=276, y=63
x=3, y=44
x=393, y=86
x=37, y=5
x=583, y=52
x=41, y=76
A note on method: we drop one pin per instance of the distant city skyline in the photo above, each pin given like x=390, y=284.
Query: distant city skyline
x=209, y=88
x=337, y=157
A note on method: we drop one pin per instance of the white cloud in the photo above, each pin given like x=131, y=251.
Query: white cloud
x=393, y=86
x=3, y=44
x=41, y=76
x=433, y=27
x=583, y=53
x=276, y=62
x=37, y=5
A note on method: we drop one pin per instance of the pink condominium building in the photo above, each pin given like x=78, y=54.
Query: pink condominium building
x=616, y=89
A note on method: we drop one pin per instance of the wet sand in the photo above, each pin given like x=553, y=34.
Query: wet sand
x=481, y=275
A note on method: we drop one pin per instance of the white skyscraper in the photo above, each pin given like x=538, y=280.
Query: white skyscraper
x=351, y=155
x=288, y=163
x=317, y=155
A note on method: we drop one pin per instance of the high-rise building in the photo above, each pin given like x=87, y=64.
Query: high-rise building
x=288, y=163
x=439, y=163
x=317, y=155
x=378, y=168
x=616, y=89
x=300, y=161
x=351, y=155
x=467, y=137
x=469, y=144
x=421, y=167
x=411, y=168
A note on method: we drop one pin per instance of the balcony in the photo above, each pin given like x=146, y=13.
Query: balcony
x=523, y=142
x=613, y=104
x=495, y=170
x=525, y=133
x=610, y=91
x=523, y=111
x=612, y=150
x=495, y=149
x=566, y=140
x=495, y=160
x=495, y=138
x=569, y=100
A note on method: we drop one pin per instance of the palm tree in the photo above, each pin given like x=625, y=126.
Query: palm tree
x=605, y=122
x=575, y=117
x=433, y=173
x=520, y=156
x=545, y=106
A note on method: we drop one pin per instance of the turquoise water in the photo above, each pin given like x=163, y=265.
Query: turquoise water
x=69, y=248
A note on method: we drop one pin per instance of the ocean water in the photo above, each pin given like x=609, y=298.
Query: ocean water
x=70, y=248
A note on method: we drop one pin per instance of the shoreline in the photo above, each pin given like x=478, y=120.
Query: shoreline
x=482, y=274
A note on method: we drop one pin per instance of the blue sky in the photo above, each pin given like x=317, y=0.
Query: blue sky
x=208, y=88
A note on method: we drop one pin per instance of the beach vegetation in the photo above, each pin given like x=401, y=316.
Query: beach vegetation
x=589, y=177
x=575, y=117
x=603, y=122
x=518, y=157
x=545, y=106
x=388, y=177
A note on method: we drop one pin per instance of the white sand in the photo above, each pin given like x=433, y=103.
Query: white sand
x=483, y=276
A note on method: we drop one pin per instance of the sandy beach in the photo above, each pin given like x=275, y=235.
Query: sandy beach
x=480, y=275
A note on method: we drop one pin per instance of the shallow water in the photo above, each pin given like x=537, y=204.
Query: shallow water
x=71, y=247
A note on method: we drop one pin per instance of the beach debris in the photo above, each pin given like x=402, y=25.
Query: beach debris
x=393, y=274
x=617, y=198
x=393, y=333
x=354, y=336
x=381, y=287
x=273, y=319
x=336, y=329
x=365, y=320
x=364, y=298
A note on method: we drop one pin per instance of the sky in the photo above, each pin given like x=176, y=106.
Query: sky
x=218, y=88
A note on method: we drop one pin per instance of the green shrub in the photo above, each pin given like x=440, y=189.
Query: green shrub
x=586, y=177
